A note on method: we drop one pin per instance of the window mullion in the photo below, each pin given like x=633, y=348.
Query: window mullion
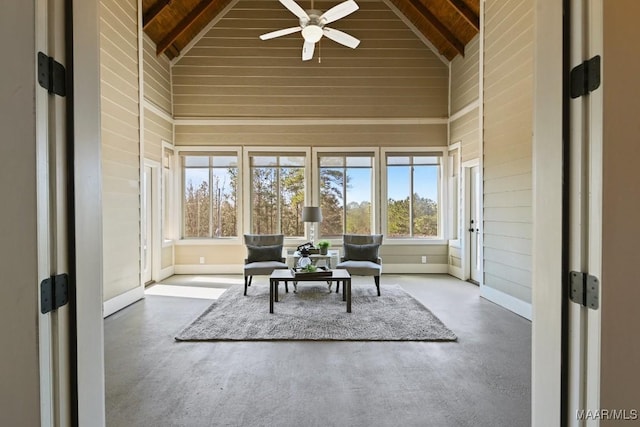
x=278, y=199
x=344, y=199
x=411, y=201
x=211, y=196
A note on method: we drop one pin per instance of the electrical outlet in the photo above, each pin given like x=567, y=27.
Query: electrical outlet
x=201, y=260
x=424, y=259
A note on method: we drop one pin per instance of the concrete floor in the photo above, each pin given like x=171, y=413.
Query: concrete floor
x=483, y=379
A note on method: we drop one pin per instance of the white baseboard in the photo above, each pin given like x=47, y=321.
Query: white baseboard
x=238, y=268
x=166, y=272
x=456, y=272
x=208, y=269
x=519, y=307
x=122, y=301
x=414, y=268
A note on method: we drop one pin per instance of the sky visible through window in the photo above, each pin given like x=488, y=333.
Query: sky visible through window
x=426, y=182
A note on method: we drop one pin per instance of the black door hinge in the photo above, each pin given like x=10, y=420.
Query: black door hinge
x=54, y=293
x=585, y=78
x=585, y=289
x=51, y=75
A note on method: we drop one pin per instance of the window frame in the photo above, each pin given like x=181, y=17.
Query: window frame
x=280, y=151
x=443, y=222
x=168, y=195
x=209, y=150
x=317, y=152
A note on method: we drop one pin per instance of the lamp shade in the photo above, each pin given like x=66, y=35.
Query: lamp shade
x=311, y=214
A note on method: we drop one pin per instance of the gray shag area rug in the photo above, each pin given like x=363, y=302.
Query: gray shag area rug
x=317, y=315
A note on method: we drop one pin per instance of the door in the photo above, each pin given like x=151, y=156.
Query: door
x=584, y=201
x=56, y=334
x=474, y=229
x=147, y=225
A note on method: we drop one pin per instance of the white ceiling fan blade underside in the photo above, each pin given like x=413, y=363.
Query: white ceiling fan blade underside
x=278, y=33
x=339, y=11
x=341, y=37
x=307, y=50
x=295, y=9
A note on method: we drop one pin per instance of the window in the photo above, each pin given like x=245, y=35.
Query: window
x=167, y=187
x=346, y=194
x=210, y=195
x=413, y=194
x=277, y=194
x=454, y=192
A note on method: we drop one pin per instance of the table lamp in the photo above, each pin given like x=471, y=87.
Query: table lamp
x=312, y=214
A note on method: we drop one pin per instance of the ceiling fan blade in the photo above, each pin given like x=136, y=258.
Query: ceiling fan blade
x=307, y=51
x=339, y=11
x=283, y=32
x=295, y=9
x=340, y=37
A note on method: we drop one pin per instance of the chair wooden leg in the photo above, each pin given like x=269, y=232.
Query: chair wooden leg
x=377, y=280
x=246, y=283
x=286, y=286
x=250, y=280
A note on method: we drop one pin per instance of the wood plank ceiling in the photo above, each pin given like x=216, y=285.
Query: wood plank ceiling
x=448, y=24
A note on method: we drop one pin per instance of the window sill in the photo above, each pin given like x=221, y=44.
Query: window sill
x=209, y=241
x=417, y=242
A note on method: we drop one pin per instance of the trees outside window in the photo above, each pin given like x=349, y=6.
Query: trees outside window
x=210, y=195
x=277, y=194
x=346, y=194
x=413, y=184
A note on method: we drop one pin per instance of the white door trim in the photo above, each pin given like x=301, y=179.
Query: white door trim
x=465, y=180
x=45, y=348
x=547, y=216
x=88, y=213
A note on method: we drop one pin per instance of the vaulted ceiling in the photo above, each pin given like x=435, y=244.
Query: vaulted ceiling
x=448, y=25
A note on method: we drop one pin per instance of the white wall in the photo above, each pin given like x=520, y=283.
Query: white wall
x=120, y=146
x=620, y=345
x=507, y=157
x=19, y=371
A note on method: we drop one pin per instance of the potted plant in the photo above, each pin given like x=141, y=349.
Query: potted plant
x=323, y=245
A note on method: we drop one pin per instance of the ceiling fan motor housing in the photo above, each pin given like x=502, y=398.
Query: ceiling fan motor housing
x=312, y=28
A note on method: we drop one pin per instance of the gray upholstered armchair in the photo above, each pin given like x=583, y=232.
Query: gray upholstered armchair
x=361, y=256
x=264, y=254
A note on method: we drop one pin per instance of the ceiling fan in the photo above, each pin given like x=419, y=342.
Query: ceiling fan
x=312, y=26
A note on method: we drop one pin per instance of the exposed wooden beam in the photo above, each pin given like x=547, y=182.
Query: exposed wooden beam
x=438, y=26
x=183, y=26
x=153, y=12
x=468, y=14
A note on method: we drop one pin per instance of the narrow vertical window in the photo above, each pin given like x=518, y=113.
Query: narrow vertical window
x=167, y=190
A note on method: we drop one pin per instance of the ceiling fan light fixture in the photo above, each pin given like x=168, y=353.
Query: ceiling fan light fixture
x=312, y=33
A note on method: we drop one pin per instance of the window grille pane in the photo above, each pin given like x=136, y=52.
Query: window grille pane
x=197, y=203
x=225, y=161
x=196, y=161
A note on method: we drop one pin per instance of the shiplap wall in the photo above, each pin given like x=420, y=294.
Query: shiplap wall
x=230, y=72
x=465, y=77
x=157, y=77
x=328, y=134
x=157, y=128
x=120, y=146
x=508, y=101
x=466, y=131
